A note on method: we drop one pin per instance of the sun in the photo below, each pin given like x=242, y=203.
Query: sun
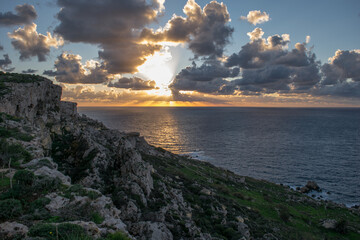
x=158, y=68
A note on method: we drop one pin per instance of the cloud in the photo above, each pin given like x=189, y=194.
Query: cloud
x=268, y=66
x=1, y=47
x=344, y=65
x=265, y=66
x=343, y=90
x=25, y=14
x=208, y=78
x=205, y=30
x=341, y=76
x=4, y=63
x=114, y=26
x=69, y=69
x=30, y=43
x=29, y=71
x=133, y=83
x=256, y=34
x=256, y=17
x=125, y=97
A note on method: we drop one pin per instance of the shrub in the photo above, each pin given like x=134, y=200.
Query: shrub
x=10, y=208
x=284, y=213
x=97, y=218
x=117, y=236
x=15, y=152
x=341, y=226
x=65, y=231
x=45, y=184
x=17, y=192
x=39, y=203
x=24, y=177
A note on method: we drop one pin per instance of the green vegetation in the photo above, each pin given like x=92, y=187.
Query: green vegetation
x=10, y=208
x=15, y=133
x=4, y=89
x=117, y=236
x=4, y=116
x=63, y=231
x=265, y=207
x=19, y=78
x=24, y=177
x=13, y=152
x=73, y=148
x=78, y=190
x=97, y=218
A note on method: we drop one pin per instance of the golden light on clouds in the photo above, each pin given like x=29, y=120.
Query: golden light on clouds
x=158, y=68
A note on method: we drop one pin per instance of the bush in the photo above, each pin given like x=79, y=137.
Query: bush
x=15, y=152
x=10, y=208
x=284, y=213
x=65, y=231
x=39, y=203
x=20, y=192
x=45, y=184
x=118, y=236
x=341, y=226
x=97, y=218
x=24, y=177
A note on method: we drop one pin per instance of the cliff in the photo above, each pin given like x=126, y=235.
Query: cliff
x=65, y=176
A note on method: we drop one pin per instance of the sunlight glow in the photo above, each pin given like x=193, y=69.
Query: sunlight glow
x=157, y=68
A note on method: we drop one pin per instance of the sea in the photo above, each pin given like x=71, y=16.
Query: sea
x=287, y=146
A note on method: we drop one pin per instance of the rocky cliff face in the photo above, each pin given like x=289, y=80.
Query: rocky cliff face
x=66, y=173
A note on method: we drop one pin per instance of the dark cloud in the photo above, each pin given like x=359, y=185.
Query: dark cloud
x=1, y=48
x=32, y=44
x=29, y=71
x=69, y=69
x=205, y=30
x=112, y=24
x=133, y=83
x=345, y=65
x=267, y=66
x=4, y=63
x=125, y=58
x=208, y=78
x=25, y=14
x=341, y=77
x=343, y=90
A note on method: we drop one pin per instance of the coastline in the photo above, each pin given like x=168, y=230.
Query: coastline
x=71, y=174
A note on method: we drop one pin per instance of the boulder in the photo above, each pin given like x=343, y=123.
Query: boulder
x=312, y=186
x=53, y=173
x=329, y=223
x=12, y=230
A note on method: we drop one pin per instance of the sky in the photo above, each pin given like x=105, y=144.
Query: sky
x=188, y=53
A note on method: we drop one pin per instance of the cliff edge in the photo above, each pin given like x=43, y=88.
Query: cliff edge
x=66, y=176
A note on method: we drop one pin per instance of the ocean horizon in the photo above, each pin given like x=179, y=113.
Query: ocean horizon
x=288, y=146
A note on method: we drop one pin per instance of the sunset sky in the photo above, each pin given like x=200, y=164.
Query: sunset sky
x=188, y=53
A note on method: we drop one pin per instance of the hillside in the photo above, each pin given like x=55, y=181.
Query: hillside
x=66, y=176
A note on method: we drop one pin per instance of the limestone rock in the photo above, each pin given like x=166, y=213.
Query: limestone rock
x=152, y=230
x=53, y=173
x=329, y=223
x=11, y=230
x=56, y=202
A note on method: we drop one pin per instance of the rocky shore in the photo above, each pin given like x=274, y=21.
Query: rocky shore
x=66, y=176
